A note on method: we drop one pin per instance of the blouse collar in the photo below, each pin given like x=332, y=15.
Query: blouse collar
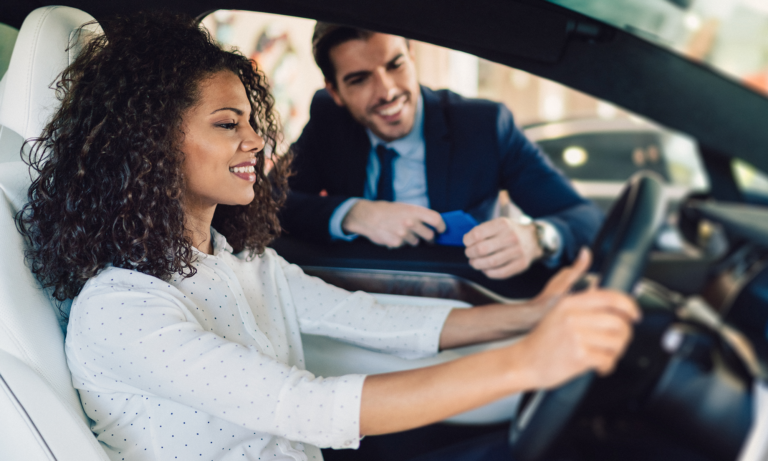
x=219, y=243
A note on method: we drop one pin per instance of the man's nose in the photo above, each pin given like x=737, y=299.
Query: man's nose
x=386, y=89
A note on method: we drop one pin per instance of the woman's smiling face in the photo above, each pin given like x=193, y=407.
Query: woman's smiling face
x=219, y=146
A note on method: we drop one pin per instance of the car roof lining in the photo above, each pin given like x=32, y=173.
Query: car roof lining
x=540, y=38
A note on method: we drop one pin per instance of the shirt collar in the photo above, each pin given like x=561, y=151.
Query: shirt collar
x=403, y=146
x=219, y=243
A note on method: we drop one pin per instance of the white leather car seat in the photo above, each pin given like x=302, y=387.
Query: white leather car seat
x=41, y=417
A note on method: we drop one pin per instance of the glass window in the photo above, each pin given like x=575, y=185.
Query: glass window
x=7, y=39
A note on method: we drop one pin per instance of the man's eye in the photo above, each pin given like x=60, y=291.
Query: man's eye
x=227, y=126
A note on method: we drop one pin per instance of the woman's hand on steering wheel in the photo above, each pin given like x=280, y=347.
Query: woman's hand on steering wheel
x=581, y=332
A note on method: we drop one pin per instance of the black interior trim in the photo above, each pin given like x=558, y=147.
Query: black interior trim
x=361, y=254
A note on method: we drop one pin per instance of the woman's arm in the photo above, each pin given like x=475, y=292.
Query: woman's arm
x=500, y=321
x=585, y=331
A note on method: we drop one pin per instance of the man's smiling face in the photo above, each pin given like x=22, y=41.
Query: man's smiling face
x=376, y=81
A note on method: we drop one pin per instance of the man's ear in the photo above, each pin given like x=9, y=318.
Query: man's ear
x=334, y=92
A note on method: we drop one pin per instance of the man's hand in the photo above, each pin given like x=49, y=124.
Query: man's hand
x=502, y=247
x=392, y=224
x=584, y=331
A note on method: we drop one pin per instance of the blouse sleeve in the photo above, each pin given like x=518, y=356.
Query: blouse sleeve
x=323, y=309
x=147, y=343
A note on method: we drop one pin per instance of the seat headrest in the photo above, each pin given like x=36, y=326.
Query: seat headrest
x=42, y=51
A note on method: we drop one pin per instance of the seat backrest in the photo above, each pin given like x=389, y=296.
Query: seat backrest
x=37, y=398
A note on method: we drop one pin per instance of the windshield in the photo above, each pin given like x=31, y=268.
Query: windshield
x=729, y=35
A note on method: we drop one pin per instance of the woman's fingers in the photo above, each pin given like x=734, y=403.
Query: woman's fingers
x=584, y=331
x=611, y=301
x=562, y=282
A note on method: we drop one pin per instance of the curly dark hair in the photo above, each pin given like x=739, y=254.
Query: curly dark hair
x=110, y=184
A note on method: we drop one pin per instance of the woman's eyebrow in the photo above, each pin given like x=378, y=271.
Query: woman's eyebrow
x=237, y=111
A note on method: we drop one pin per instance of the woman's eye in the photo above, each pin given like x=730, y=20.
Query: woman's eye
x=227, y=126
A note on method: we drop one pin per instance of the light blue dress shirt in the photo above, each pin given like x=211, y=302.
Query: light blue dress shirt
x=409, y=171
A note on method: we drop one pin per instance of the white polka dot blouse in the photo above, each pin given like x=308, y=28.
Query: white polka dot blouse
x=211, y=367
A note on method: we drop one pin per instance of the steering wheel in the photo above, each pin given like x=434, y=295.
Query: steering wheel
x=620, y=253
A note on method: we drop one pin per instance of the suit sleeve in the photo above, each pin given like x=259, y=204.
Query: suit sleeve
x=543, y=192
x=306, y=214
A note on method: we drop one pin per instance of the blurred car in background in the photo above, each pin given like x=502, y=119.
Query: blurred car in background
x=599, y=155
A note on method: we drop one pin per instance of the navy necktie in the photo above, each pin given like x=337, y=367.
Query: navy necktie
x=385, y=189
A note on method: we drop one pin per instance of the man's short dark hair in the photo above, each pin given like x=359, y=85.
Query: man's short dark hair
x=327, y=36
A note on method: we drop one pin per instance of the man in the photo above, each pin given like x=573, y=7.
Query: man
x=391, y=156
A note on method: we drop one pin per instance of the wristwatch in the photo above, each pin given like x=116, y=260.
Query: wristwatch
x=548, y=238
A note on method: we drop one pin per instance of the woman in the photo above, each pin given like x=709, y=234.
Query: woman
x=183, y=341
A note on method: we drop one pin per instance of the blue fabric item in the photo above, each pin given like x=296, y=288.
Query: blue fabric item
x=457, y=223
x=385, y=189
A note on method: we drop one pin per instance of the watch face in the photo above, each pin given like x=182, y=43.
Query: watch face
x=548, y=238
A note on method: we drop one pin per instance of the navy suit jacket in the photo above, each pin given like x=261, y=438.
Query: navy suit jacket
x=473, y=150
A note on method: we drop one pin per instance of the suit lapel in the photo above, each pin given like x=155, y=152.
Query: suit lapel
x=437, y=151
x=347, y=151
x=357, y=161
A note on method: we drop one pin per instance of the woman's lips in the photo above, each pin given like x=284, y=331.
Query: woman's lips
x=245, y=171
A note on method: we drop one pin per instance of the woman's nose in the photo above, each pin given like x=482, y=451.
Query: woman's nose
x=253, y=142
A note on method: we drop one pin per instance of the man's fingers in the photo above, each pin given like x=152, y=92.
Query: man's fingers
x=411, y=239
x=513, y=268
x=423, y=232
x=432, y=218
x=483, y=231
x=489, y=246
x=502, y=257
